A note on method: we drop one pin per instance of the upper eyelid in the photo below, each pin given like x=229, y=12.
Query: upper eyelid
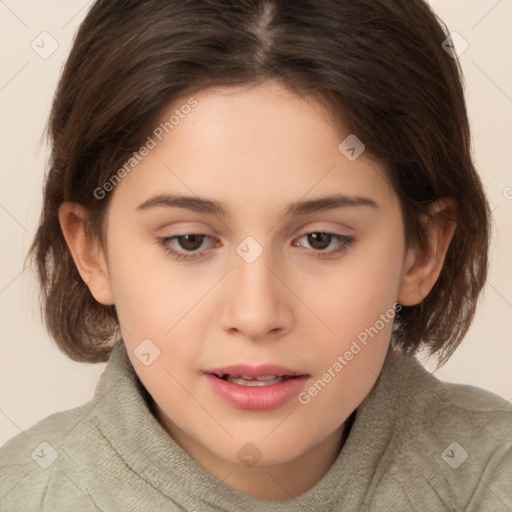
x=298, y=232
x=300, y=235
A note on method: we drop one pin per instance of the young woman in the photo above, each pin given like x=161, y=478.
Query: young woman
x=258, y=211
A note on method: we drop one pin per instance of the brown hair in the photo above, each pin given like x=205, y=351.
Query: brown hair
x=377, y=65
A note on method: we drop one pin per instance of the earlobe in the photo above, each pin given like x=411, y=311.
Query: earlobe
x=86, y=252
x=422, y=268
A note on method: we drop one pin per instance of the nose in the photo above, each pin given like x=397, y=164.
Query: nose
x=258, y=303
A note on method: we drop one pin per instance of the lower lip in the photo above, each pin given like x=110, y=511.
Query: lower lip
x=257, y=398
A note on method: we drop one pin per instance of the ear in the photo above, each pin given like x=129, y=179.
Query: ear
x=422, y=268
x=87, y=254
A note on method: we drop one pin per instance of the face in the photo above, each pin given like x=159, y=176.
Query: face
x=254, y=259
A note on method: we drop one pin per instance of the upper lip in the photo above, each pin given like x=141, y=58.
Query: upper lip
x=255, y=371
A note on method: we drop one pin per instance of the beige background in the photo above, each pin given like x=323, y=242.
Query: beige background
x=38, y=380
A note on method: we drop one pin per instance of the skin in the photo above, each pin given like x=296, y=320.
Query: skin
x=256, y=149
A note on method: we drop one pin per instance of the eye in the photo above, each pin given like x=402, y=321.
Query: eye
x=184, y=247
x=324, y=244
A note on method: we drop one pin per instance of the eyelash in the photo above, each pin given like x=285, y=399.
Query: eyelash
x=346, y=243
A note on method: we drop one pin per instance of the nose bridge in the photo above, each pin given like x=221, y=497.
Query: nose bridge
x=256, y=303
x=255, y=278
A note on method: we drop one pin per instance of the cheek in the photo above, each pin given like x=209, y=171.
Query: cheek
x=157, y=300
x=150, y=293
x=351, y=294
x=357, y=306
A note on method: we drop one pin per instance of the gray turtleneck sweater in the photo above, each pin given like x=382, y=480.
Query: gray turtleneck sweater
x=417, y=444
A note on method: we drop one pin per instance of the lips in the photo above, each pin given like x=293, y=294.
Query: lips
x=265, y=386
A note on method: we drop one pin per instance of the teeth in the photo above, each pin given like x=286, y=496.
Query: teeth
x=265, y=380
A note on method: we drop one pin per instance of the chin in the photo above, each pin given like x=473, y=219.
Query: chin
x=260, y=450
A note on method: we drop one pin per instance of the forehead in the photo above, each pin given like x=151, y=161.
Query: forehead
x=247, y=145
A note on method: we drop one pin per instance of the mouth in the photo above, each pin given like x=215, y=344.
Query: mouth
x=265, y=374
x=262, y=387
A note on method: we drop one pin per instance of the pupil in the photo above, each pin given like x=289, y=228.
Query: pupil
x=191, y=242
x=319, y=240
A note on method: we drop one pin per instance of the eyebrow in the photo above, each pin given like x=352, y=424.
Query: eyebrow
x=198, y=204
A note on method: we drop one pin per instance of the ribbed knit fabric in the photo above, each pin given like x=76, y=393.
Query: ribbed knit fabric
x=417, y=444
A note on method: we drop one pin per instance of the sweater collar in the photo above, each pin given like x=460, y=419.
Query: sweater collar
x=123, y=414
